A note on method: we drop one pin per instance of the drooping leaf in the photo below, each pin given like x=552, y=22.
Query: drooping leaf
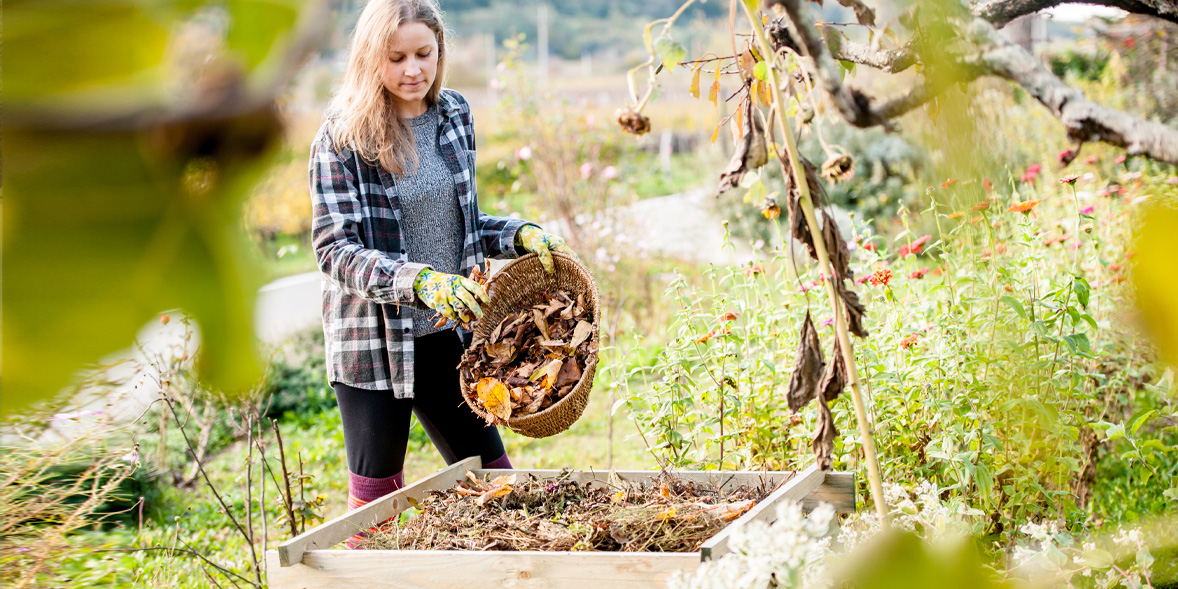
x=751, y=152
x=807, y=367
x=694, y=89
x=835, y=377
x=825, y=432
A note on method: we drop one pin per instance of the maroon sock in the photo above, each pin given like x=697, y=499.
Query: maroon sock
x=362, y=490
x=500, y=462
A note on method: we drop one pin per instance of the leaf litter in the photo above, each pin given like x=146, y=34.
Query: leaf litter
x=511, y=513
x=533, y=358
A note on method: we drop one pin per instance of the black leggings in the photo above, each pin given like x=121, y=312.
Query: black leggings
x=376, y=424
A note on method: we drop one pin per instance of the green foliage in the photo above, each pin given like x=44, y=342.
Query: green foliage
x=996, y=375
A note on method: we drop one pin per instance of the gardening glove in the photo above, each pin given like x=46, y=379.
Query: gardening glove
x=542, y=244
x=451, y=295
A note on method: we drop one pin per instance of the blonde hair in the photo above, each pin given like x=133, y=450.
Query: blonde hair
x=362, y=116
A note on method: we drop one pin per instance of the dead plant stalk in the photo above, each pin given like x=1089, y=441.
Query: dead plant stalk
x=840, y=326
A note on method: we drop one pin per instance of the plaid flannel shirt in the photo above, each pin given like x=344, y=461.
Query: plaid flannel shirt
x=360, y=248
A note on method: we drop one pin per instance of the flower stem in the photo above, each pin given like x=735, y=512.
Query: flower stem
x=840, y=326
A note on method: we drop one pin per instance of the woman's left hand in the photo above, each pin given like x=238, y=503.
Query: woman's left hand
x=542, y=244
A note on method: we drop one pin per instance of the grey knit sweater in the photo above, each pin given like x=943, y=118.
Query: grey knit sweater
x=430, y=215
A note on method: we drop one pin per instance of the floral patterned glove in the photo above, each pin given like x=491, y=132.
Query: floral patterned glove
x=542, y=244
x=451, y=295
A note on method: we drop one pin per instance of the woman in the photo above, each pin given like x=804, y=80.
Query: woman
x=396, y=227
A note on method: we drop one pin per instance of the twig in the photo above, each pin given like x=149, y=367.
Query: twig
x=228, y=573
x=288, y=502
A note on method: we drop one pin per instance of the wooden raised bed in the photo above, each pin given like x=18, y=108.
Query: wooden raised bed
x=305, y=562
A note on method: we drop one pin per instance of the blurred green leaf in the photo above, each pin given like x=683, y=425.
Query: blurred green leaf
x=1080, y=286
x=104, y=230
x=110, y=220
x=897, y=559
x=669, y=51
x=259, y=25
x=1155, y=280
x=54, y=49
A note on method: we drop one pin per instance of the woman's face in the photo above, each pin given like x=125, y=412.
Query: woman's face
x=409, y=70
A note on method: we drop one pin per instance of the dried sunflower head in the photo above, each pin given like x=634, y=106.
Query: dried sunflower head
x=836, y=166
x=633, y=122
x=770, y=209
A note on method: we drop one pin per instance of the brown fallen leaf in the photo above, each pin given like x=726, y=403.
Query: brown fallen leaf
x=569, y=373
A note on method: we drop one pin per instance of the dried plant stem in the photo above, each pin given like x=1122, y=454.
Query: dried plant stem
x=840, y=326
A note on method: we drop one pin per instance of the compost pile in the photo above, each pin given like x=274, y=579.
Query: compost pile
x=560, y=514
x=532, y=359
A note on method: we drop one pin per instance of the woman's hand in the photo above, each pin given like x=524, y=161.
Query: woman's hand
x=451, y=295
x=542, y=244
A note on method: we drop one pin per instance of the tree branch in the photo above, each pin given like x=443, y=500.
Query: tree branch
x=1083, y=119
x=853, y=105
x=995, y=55
x=889, y=60
x=1001, y=12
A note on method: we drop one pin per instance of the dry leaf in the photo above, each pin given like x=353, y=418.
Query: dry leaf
x=581, y=333
x=551, y=372
x=824, y=434
x=569, y=374
x=541, y=322
x=834, y=379
x=807, y=369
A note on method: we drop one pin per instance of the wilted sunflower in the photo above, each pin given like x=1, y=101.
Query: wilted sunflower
x=633, y=122
x=834, y=168
x=770, y=209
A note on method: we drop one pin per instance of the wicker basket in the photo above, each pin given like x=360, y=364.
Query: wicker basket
x=520, y=284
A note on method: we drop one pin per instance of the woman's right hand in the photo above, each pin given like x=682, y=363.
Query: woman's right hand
x=451, y=295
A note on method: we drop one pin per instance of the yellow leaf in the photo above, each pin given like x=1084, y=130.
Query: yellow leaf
x=668, y=514
x=714, y=95
x=694, y=90
x=617, y=498
x=1153, y=275
x=495, y=397
x=716, y=133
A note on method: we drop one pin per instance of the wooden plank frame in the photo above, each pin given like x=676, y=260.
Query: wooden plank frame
x=304, y=562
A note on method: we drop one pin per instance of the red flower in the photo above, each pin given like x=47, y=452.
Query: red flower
x=987, y=184
x=869, y=246
x=1114, y=267
x=1091, y=159
x=1130, y=42
x=1069, y=179
x=981, y=206
x=918, y=274
x=1067, y=155
x=754, y=270
x=1120, y=159
x=729, y=316
x=909, y=341
x=713, y=333
x=1008, y=289
x=914, y=247
x=1055, y=240
x=948, y=183
x=881, y=276
x=1031, y=173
